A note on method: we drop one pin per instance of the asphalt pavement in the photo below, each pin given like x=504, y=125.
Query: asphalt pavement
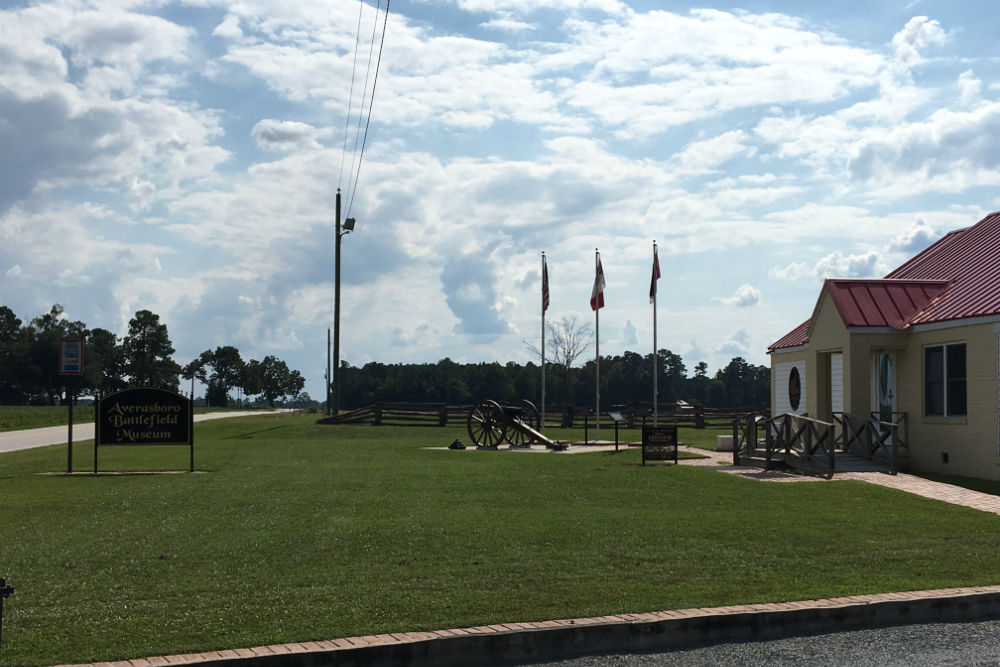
x=12, y=441
x=925, y=645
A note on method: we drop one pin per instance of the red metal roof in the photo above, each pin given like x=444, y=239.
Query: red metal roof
x=955, y=278
x=797, y=336
x=970, y=260
x=882, y=303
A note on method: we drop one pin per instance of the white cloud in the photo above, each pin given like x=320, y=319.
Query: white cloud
x=914, y=239
x=708, y=155
x=746, y=295
x=629, y=335
x=970, y=86
x=919, y=33
x=834, y=265
x=284, y=135
x=507, y=25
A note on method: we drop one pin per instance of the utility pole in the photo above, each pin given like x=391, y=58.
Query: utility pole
x=329, y=405
x=336, y=317
x=346, y=228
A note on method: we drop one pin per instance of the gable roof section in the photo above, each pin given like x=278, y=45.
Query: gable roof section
x=957, y=277
x=882, y=303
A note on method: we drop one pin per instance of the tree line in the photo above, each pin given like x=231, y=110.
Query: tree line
x=625, y=378
x=29, y=362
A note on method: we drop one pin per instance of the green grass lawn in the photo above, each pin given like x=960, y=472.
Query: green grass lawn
x=294, y=532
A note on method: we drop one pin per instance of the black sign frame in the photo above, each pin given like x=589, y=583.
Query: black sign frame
x=659, y=443
x=144, y=416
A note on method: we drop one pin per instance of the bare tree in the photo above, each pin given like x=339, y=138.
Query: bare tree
x=566, y=340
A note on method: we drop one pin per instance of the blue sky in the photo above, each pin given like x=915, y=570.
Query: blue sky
x=183, y=157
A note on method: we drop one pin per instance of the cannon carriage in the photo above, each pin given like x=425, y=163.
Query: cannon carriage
x=491, y=424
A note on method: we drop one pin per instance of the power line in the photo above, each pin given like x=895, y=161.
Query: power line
x=350, y=96
x=371, y=103
x=357, y=135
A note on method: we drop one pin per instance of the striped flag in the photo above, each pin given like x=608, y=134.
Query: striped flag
x=545, y=285
x=656, y=276
x=597, y=295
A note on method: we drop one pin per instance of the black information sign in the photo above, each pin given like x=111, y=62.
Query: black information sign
x=659, y=443
x=144, y=416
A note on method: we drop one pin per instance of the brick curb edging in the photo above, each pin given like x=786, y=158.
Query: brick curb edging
x=513, y=643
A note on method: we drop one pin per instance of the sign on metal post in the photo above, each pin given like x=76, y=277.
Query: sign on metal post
x=659, y=443
x=70, y=363
x=144, y=416
x=71, y=356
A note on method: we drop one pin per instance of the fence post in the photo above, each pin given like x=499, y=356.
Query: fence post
x=443, y=416
x=377, y=416
x=699, y=416
x=736, y=441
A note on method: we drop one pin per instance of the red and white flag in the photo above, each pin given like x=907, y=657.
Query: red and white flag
x=656, y=276
x=597, y=295
x=545, y=285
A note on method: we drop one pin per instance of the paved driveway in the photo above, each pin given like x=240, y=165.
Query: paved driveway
x=12, y=441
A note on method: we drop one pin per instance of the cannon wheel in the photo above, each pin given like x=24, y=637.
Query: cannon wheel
x=530, y=417
x=487, y=424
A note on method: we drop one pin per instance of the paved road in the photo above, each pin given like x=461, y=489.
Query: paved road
x=925, y=645
x=12, y=441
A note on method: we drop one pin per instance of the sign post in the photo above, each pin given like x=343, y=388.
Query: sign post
x=70, y=363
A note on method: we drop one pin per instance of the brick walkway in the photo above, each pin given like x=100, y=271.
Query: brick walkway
x=948, y=493
x=638, y=631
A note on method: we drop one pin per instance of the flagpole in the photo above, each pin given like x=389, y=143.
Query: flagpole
x=656, y=364
x=545, y=286
x=597, y=349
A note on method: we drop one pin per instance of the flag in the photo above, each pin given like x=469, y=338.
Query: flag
x=597, y=295
x=545, y=285
x=656, y=276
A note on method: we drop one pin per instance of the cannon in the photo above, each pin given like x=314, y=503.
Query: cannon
x=492, y=424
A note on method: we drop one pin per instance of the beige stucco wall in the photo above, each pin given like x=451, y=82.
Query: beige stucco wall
x=971, y=442
x=827, y=335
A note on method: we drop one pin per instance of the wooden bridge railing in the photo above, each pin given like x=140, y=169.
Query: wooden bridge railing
x=871, y=438
x=795, y=440
x=806, y=444
x=745, y=437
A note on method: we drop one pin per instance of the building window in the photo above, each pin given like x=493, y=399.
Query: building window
x=794, y=389
x=944, y=380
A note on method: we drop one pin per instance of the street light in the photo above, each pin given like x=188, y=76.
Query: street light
x=342, y=230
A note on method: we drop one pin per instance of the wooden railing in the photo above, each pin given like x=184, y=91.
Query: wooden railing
x=746, y=436
x=792, y=440
x=871, y=438
x=804, y=443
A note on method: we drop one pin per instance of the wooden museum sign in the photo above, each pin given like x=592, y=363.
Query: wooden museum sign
x=144, y=416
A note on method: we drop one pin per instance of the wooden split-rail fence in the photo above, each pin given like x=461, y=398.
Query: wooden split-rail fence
x=442, y=414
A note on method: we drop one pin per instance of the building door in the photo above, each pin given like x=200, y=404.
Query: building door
x=836, y=382
x=885, y=386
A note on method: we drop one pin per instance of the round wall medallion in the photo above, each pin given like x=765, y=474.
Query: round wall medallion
x=794, y=388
